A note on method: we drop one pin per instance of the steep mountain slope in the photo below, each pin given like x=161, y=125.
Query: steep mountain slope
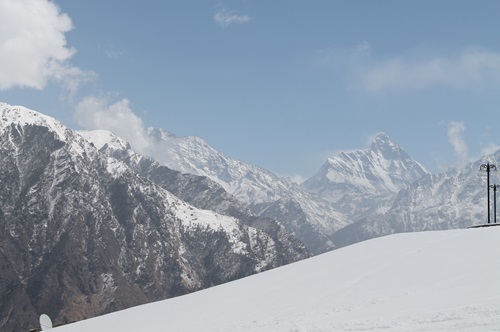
x=430, y=281
x=363, y=181
x=309, y=218
x=81, y=234
x=199, y=191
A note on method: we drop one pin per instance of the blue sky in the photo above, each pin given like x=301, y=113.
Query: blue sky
x=279, y=84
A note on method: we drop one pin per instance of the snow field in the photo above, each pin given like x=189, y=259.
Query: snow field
x=430, y=281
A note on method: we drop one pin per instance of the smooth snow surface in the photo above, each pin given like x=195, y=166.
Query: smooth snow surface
x=431, y=281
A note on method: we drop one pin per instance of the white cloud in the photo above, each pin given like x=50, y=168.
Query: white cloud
x=468, y=70
x=225, y=18
x=111, y=52
x=296, y=178
x=455, y=132
x=98, y=113
x=33, y=47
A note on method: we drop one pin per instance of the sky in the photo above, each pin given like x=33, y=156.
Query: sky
x=278, y=84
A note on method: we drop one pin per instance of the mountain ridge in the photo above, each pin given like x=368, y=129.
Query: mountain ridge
x=346, y=189
x=309, y=218
x=199, y=191
x=361, y=195
x=82, y=234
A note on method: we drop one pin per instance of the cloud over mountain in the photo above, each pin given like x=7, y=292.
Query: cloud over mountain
x=118, y=117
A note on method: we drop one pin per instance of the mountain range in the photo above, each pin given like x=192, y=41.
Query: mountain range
x=89, y=226
x=83, y=234
x=356, y=195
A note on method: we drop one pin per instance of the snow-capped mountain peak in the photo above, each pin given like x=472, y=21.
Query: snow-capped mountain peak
x=100, y=138
x=159, y=134
x=354, y=180
x=386, y=145
x=384, y=168
x=22, y=116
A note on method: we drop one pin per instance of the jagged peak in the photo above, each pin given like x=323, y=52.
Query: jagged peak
x=383, y=167
x=383, y=142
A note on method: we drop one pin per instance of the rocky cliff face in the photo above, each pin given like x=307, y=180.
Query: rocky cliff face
x=81, y=234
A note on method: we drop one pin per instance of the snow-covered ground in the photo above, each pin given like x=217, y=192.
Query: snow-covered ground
x=430, y=281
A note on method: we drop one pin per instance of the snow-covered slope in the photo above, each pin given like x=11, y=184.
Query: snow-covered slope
x=248, y=183
x=430, y=281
